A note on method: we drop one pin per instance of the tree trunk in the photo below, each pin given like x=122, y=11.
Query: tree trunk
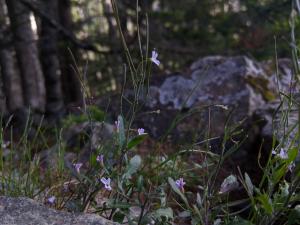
x=27, y=56
x=49, y=60
x=3, y=109
x=10, y=77
x=108, y=13
x=70, y=80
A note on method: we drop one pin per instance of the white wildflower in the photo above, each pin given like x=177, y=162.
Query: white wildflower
x=106, y=183
x=141, y=131
x=154, y=58
x=51, y=200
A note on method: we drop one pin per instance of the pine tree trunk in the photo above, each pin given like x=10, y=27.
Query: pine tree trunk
x=50, y=61
x=3, y=109
x=70, y=81
x=27, y=56
x=10, y=77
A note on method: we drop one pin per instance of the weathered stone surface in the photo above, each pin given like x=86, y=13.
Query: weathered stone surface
x=24, y=211
x=217, y=80
x=89, y=136
x=193, y=105
x=215, y=88
x=225, y=90
x=280, y=115
x=79, y=141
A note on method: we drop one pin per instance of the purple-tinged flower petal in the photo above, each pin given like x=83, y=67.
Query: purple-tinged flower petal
x=291, y=167
x=141, y=131
x=106, y=183
x=154, y=58
x=77, y=166
x=180, y=183
x=51, y=200
x=100, y=158
x=283, y=154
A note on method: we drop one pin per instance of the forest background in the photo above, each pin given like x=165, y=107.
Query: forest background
x=43, y=43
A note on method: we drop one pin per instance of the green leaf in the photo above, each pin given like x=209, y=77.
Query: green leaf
x=121, y=187
x=284, y=189
x=217, y=222
x=184, y=214
x=279, y=173
x=118, y=205
x=118, y=217
x=294, y=216
x=266, y=203
x=164, y=212
x=199, y=200
x=96, y=113
x=140, y=183
x=230, y=183
x=122, y=137
x=239, y=221
x=199, y=214
x=195, y=221
x=133, y=166
x=292, y=153
x=136, y=140
x=249, y=184
x=177, y=191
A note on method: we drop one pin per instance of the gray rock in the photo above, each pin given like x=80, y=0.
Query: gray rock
x=24, y=211
x=175, y=91
x=217, y=91
x=212, y=90
x=79, y=142
x=283, y=123
x=236, y=86
x=88, y=135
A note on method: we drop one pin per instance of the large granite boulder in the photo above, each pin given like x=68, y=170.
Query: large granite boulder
x=215, y=90
x=219, y=90
x=24, y=211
